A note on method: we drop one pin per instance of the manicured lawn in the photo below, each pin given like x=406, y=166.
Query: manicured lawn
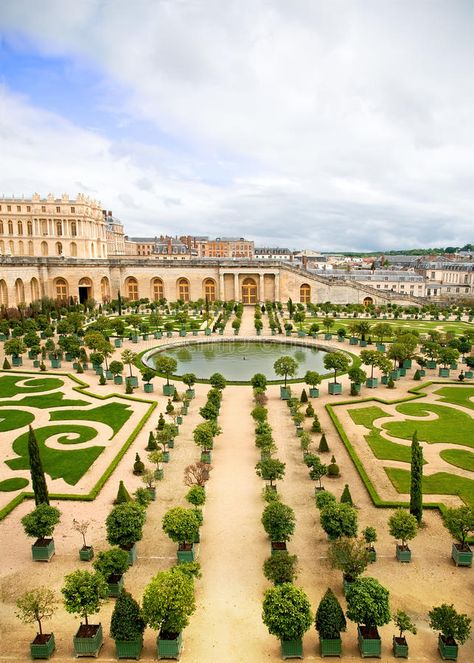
x=451, y=426
x=69, y=464
x=457, y=395
x=9, y=485
x=13, y=419
x=8, y=385
x=113, y=414
x=441, y=483
x=459, y=458
x=381, y=448
x=55, y=399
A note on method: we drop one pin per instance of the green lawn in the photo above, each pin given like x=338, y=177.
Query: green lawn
x=113, y=414
x=46, y=401
x=9, y=485
x=458, y=395
x=13, y=419
x=459, y=457
x=441, y=483
x=451, y=426
x=8, y=385
x=69, y=464
x=381, y=448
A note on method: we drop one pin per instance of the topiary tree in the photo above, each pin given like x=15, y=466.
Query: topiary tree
x=453, y=626
x=346, y=497
x=84, y=593
x=278, y=520
x=168, y=601
x=270, y=469
x=189, y=380
x=138, y=466
x=218, y=381
x=38, y=479
x=124, y=524
x=110, y=563
x=259, y=381
x=339, y=520
x=151, y=446
x=323, y=444
x=286, y=612
x=122, y=494
x=368, y=604
x=286, y=367
x=330, y=620
x=166, y=365
x=370, y=536
x=324, y=498
x=459, y=522
x=316, y=426
x=40, y=522
x=280, y=567
x=402, y=525
x=317, y=470
x=181, y=525
x=333, y=468
x=128, y=357
x=350, y=556
x=416, y=479
x=304, y=396
x=337, y=362
x=127, y=623
x=35, y=606
x=312, y=379
x=203, y=435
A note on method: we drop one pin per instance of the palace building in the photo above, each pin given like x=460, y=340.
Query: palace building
x=72, y=249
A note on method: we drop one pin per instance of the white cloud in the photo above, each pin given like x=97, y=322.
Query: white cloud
x=320, y=111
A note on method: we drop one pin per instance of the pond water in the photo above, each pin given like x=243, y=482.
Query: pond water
x=240, y=360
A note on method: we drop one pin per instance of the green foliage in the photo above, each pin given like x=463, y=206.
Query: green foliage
x=259, y=413
x=450, y=623
x=114, y=415
x=38, y=480
x=416, y=479
x=196, y=495
x=330, y=620
x=127, y=622
x=337, y=362
x=286, y=612
x=350, y=556
x=259, y=381
x=270, y=469
x=346, y=497
x=323, y=498
x=285, y=366
x=370, y=535
x=316, y=426
x=339, y=520
x=111, y=562
x=11, y=485
x=181, y=525
x=368, y=603
x=304, y=396
x=278, y=520
x=36, y=605
x=323, y=444
x=138, y=466
x=189, y=380
x=168, y=601
x=203, y=435
x=403, y=622
x=151, y=446
x=6, y=364
x=309, y=410
x=333, y=468
x=122, y=494
x=317, y=470
x=84, y=593
x=165, y=365
x=40, y=522
x=312, y=378
x=402, y=525
x=459, y=522
x=124, y=524
x=218, y=381
x=270, y=495
x=280, y=567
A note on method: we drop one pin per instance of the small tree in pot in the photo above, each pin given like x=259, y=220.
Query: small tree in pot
x=278, y=520
x=287, y=614
x=313, y=380
x=460, y=523
x=182, y=526
x=270, y=470
x=350, y=556
x=339, y=519
x=280, y=567
x=329, y=622
x=403, y=526
x=285, y=367
x=112, y=564
x=124, y=526
x=368, y=606
x=127, y=626
x=35, y=606
x=84, y=593
x=403, y=622
x=40, y=524
x=86, y=553
x=370, y=537
x=454, y=628
x=317, y=470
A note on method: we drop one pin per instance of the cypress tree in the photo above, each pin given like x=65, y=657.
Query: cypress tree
x=346, y=497
x=416, y=479
x=323, y=444
x=38, y=479
x=152, y=445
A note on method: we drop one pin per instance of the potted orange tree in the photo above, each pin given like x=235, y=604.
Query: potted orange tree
x=278, y=520
x=404, y=526
x=287, y=614
x=127, y=626
x=84, y=593
x=399, y=643
x=35, y=606
x=454, y=630
x=40, y=524
x=460, y=523
x=182, y=526
x=368, y=606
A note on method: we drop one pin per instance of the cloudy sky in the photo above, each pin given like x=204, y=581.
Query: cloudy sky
x=330, y=124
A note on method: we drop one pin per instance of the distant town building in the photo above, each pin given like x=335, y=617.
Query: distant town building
x=405, y=282
x=273, y=253
x=448, y=280
x=221, y=247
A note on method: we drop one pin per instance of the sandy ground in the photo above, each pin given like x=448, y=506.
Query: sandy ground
x=227, y=626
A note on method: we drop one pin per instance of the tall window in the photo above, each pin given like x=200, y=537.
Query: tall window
x=3, y=293
x=105, y=289
x=73, y=229
x=59, y=228
x=73, y=249
x=11, y=247
x=158, y=290
x=10, y=227
x=183, y=289
x=305, y=294
x=30, y=248
x=61, y=289
x=29, y=226
x=1, y=227
x=2, y=247
x=44, y=248
x=19, y=291
x=132, y=289
x=34, y=289
x=59, y=249
x=20, y=228
x=21, y=248
x=210, y=290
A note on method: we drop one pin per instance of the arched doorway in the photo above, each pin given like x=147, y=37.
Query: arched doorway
x=19, y=292
x=85, y=289
x=157, y=289
x=105, y=289
x=183, y=289
x=131, y=288
x=249, y=291
x=61, y=288
x=305, y=293
x=368, y=301
x=209, y=290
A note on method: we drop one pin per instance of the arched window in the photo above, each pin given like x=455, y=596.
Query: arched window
x=21, y=248
x=10, y=227
x=34, y=285
x=20, y=228
x=249, y=291
x=74, y=249
x=105, y=289
x=3, y=293
x=59, y=249
x=368, y=301
x=209, y=287
x=131, y=285
x=61, y=289
x=73, y=229
x=158, y=291
x=183, y=289
x=29, y=228
x=19, y=291
x=44, y=248
x=1, y=227
x=2, y=247
x=59, y=228
x=11, y=247
x=305, y=293
x=30, y=248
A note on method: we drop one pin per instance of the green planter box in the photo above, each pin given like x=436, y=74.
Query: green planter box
x=341, y=339
x=169, y=648
x=292, y=648
x=18, y=361
x=288, y=333
x=468, y=374
x=132, y=380
x=134, y=339
x=447, y=652
x=431, y=364
x=32, y=355
x=148, y=388
x=157, y=335
x=353, y=340
x=380, y=347
x=185, y=555
x=109, y=375
x=332, y=647
x=36, y=363
x=443, y=372
x=42, y=550
x=403, y=555
x=461, y=557
x=145, y=337
x=334, y=388
x=118, y=342
x=394, y=375
x=184, y=410
x=372, y=383
x=179, y=420
x=285, y=393
x=115, y=587
x=169, y=334
x=118, y=379
x=88, y=646
x=190, y=393
x=402, y=372
x=422, y=372
x=152, y=493
x=355, y=388
x=182, y=332
x=195, y=332
x=207, y=331
x=132, y=554
x=301, y=333
x=129, y=648
x=86, y=553
x=206, y=457
x=98, y=371
x=221, y=332
x=369, y=647
x=400, y=647
x=43, y=650
x=168, y=389
x=170, y=444
x=327, y=337
x=313, y=392
x=159, y=474
x=407, y=363
x=363, y=344
x=166, y=456
x=384, y=379
x=372, y=555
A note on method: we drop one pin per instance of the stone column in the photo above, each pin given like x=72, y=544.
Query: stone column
x=236, y=287
x=277, y=286
x=261, y=287
x=221, y=287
